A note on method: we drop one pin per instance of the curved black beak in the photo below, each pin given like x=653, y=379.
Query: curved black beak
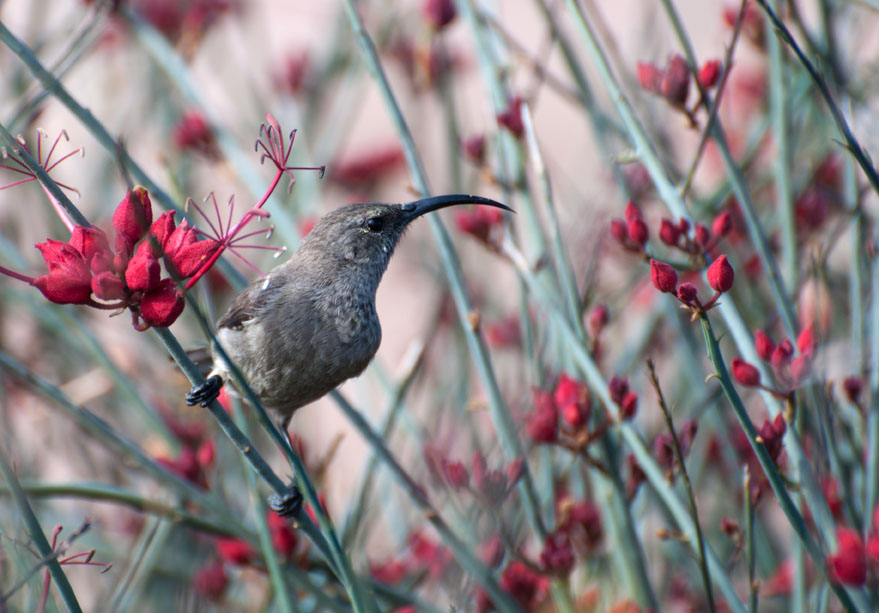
x=418, y=208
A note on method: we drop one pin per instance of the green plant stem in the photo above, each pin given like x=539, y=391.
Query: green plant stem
x=691, y=496
x=597, y=384
x=107, y=493
x=49, y=557
x=771, y=471
x=842, y=126
x=416, y=493
x=779, y=111
x=499, y=412
x=871, y=489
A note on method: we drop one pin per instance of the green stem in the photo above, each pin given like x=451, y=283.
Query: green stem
x=49, y=557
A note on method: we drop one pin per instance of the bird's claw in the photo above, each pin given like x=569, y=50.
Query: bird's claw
x=205, y=393
x=287, y=505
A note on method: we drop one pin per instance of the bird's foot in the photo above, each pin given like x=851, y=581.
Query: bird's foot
x=205, y=393
x=287, y=504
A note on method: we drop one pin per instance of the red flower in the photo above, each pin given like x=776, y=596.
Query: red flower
x=598, y=318
x=193, y=133
x=185, y=252
x=629, y=405
x=764, y=345
x=511, y=118
x=542, y=425
x=618, y=388
x=722, y=224
x=721, y=275
x=234, y=550
x=709, y=74
x=582, y=523
x=284, y=538
x=438, y=13
x=389, y=573
x=669, y=233
x=675, y=84
x=162, y=306
x=619, y=230
x=160, y=231
x=491, y=485
x=799, y=368
x=849, y=564
x=523, y=584
x=143, y=270
x=745, y=373
x=366, y=169
x=853, y=387
x=632, y=211
x=479, y=222
x=702, y=235
x=557, y=557
x=649, y=77
x=69, y=280
x=638, y=231
x=806, y=340
x=132, y=218
x=455, y=474
x=91, y=243
x=771, y=433
x=211, y=581
x=474, y=147
x=664, y=277
x=687, y=293
x=107, y=286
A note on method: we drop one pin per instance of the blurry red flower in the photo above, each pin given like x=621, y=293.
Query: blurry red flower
x=210, y=581
x=455, y=474
x=492, y=551
x=709, y=73
x=598, y=318
x=557, y=557
x=745, y=373
x=649, y=77
x=523, y=584
x=849, y=564
x=669, y=233
x=192, y=133
x=675, y=84
x=438, y=13
x=853, y=387
x=511, y=117
x=235, y=551
x=763, y=345
x=687, y=293
x=479, y=222
x=474, y=147
x=284, y=538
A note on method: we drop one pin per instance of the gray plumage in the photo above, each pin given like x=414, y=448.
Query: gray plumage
x=311, y=323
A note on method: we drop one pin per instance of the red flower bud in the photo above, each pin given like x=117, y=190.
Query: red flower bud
x=161, y=306
x=849, y=564
x=649, y=77
x=89, y=242
x=511, y=118
x=474, y=147
x=542, y=426
x=438, y=13
x=132, y=218
x=557, y=557
x=69, y=280
x=722, y=224
x=107, y=286
x=687, y=293
x=185, y=252
x=161, y=231
x=669, y=233
x=455, y=474
x=143, y=270
x=675, y=84
x=211, y=581
x=764, y=345
x=235, y=551
x=632, y=211
x=629, y=405
x=853, y=387
x=638, y=231
x=575, y=415
x=806, y=340
x=284, y=538
x=710, y=73
x=781, y=356
x=664, y=277
x=618, y=388
x=721, y=275
x=598, y=318
x=618, y=230
x=745, y=373
x=702, y=235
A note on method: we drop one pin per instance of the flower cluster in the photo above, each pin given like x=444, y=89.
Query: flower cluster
x=673, y=82
x=720, y=276
x=490, y=486
x=484, y=223
x=422, y=555
x=197, y=451
x=663, y=445
x=86, y=270
x=789, y=370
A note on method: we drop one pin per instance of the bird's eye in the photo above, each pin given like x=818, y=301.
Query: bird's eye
x=375, y=224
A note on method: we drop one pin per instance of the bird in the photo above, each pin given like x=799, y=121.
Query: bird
x=311, y=323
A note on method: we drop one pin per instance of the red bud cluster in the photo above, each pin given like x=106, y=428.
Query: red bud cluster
x=788, y=369
x=631, y=233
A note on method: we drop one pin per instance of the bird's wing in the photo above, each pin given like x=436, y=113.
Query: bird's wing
x=244, y=308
